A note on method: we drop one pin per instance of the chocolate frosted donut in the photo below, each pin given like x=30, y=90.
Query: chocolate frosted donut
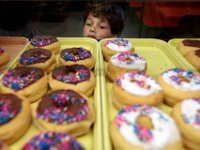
x=35, y=55
x=78, y=55
x=4, y=57
x=28, y=83
x=40, y=41
x=64, y=110
x=192, y=43
x=52, y=140
x=194, y=58
x=10, y=105
x=21, y=77
x=71, y=74
x=15, y=117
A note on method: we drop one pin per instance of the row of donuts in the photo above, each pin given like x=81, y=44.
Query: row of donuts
x=66, y=110
x=139, y=125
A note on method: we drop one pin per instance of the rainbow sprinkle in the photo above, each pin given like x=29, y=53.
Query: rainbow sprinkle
x=65, y=102
x=75, y=54
x=21, y=77
x=39, y=41
x=52, y=141
x=119, y=42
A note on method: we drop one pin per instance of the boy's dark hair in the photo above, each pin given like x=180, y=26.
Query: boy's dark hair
x=112, y=12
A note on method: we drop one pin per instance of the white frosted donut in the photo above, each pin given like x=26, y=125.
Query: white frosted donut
x=119, y=45
x=128, y=60
x=182, y=79
x=163, y=133
x=138, y=83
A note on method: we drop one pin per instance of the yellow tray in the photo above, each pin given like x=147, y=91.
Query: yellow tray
x=94, y=137
x=159, y=58
x=14, y=46
x=173, y=43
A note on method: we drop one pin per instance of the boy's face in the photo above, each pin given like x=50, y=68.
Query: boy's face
x=96, y=28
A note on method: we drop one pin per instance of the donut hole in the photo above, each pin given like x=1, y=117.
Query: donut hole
x=145, y=121
x=71, y=73
x=183, y=79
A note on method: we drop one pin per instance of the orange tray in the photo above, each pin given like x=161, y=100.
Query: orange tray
x=14, y=46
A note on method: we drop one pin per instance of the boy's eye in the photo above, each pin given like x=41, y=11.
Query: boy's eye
x=88, y=24
x=102, y=27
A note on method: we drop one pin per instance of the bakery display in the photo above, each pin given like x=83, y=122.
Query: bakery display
x=187, y=117
x=28, y=83
x=15, y=117
x=123, y=62
x=47, y=42
x=179, y=84
x=113, y=46
x=76, y=77
x=188, y=45
x=78, y=55
x=194, y=58
x=52, y=141
x=65, y=111
x=38, y=57
x=144, y=127
x=4, y=57
x=136, y=88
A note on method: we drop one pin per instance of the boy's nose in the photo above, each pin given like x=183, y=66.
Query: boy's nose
x=92, y=29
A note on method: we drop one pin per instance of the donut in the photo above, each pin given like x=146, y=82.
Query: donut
x=4, y=57
x=123, y=62
x=52, y=141
x=47, y=42
x=136, y=88
x=38, y=57
x=142, y=127
x=76, y=77
x=71, y=56
x=186, y=46
x=187, y=117
x=113, y=46
x=179, y=84
x=15, y=117
x=28, y=83
x=194, y=58
x=65, y=111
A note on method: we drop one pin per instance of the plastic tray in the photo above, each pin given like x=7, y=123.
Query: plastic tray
x=159, y=58
x=94, y=136
x=173, y=43
x=14, y=46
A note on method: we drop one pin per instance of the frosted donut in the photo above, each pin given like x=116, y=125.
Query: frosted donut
x=187, y=117
x=179, y=84
x=123, y=62
x=76, y=77
x=194, y=58
x=111, y=47
x=71, y=56
x=26, y=82
x=142, y=127
x=15, y=117
x=38, y=57
x=136, y=88
x=186, y=46
x=4, y=57
x=52, y=141
x=47, y=42
x=65, y=111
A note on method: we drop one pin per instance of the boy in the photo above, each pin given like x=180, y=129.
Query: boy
x=103, y=20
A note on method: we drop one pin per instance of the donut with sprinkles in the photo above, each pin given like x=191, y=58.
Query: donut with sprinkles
x=136, y=88
x=76, y=77
x=77, y=55
x=123, y=62
x=187, y=117
x=66, y=111
x=4, y=57
x=141, y=127
x=52, y=141
x=47, y=42
x=38, y=57
x=15, y=117
x=179, y=84
x=26, y=82
x=113, y=46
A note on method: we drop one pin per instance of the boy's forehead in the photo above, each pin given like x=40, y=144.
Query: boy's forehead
x=101, y=17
